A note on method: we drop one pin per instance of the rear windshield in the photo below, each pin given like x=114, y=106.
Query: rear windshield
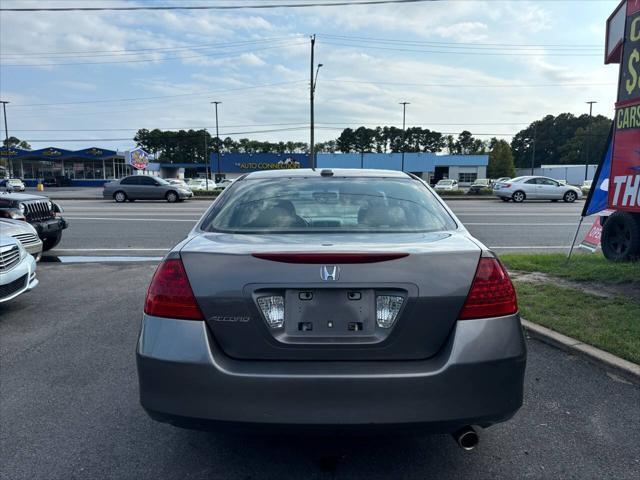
x=336, y=204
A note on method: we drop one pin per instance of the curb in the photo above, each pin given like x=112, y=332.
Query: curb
x=624, y=368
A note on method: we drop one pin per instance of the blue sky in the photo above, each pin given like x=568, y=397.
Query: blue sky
x=490, y=67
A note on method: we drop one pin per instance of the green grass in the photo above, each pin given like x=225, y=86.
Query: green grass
x=582, y=267
x=612, y=324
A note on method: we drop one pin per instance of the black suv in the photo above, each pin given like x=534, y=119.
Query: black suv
x=39, y=211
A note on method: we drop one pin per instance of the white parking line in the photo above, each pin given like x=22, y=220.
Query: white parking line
x=133, y=219
x=534, y=247
x=142, y=249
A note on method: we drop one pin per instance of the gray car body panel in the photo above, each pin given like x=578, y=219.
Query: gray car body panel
x=431, y=369
x=143, y=192
x=476, y=378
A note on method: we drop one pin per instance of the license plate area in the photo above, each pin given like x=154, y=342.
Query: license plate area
x=329, y=313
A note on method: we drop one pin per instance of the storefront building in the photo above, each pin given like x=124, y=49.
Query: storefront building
x=88, y=167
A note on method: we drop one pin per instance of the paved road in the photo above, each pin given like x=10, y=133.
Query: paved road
x=69, y=408
x=149, y=228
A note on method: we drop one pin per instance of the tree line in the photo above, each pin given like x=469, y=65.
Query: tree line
x=562, y=139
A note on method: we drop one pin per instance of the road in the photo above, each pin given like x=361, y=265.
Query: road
x=150, y=228
x=69, y=407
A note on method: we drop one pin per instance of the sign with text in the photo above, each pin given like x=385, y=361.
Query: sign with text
x=138, y=158
x=245, y=163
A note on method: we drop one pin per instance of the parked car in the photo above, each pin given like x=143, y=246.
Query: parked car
x=446, y=185
x=201, y=185
x=479, y=185
x=313, y=285
x=145, y=187
x=225, y=182
x=12, y=185
x=501, y=179
x=43, y=214
x=178, y=182
x=535, y=188
x=586, y=186
x=24, y=233
x=17, y=269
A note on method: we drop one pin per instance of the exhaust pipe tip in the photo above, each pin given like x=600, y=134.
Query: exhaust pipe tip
x=467, y=438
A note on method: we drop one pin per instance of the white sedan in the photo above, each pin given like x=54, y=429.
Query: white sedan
x=17, y=269
x=446, y=185
x=520, y=189
x=201, y=185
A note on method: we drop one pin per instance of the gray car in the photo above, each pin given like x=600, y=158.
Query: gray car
x=530, y=187
x=24, y=233
x=334, y=298
x=145, y=187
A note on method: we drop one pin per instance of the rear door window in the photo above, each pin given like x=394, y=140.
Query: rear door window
x=335, y=204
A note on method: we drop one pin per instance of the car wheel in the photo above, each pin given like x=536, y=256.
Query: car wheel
x=570, y=196
x=120, y=196
x=171, y=197
x=621, y=237
x=50, y=242
x=518, y=196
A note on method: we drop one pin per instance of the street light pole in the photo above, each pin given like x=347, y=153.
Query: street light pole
x=586, y=162
x=215, y=104
x=6, y=135
x=312, y=90
x=404, y=116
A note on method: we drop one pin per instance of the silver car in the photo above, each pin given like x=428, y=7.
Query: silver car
x=145, y=187
x=524, y=188
x=24, y=233
x=17, y=269
x=333, y=298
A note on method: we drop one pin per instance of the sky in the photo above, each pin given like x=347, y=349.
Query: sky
x=81, y=79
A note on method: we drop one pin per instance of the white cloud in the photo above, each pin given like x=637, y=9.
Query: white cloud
x=464, y=31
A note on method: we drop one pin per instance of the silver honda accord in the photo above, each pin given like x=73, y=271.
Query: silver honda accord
x=331, y=298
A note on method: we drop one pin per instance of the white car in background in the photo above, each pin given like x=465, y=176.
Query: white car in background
x=446, y=185
x=17, y=269
x=529, y=187
x=201, y=185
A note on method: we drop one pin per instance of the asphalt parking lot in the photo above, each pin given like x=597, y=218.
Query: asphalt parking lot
x=99, y=227
x=70, y=409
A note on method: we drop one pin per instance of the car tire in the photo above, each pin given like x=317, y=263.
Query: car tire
x=120, y=196
x=570, y=196
x=621, y=237
x=172, y=197
x=518, y=197
x=50, y=242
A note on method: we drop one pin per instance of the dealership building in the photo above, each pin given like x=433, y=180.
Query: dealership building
x=94, y=166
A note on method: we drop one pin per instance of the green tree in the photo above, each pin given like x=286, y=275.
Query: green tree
x=14, y=142
x=500, y=160
x=552, y=136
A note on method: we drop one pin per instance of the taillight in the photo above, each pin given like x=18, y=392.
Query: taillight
x=170, y=293
x=507, y=185
x=492, y=293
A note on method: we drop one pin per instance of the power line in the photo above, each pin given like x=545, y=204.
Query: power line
x=460, y=44
x=214, y=7
x=152, y=50
x=158, y=97
x=474, y=85
x=377, y=47
x=159, y=60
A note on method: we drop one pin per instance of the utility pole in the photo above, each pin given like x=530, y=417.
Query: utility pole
x=586, y=162
x=404, y=116
x=215, y=104
x=206, y=160
x=312, y=90
x=533, y=151
x=6, y=135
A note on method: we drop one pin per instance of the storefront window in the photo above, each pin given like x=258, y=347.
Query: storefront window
x=108, y=168
x=89, y=170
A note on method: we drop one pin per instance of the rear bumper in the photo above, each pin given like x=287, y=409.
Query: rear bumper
x=476, y=379
x=503, y=193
